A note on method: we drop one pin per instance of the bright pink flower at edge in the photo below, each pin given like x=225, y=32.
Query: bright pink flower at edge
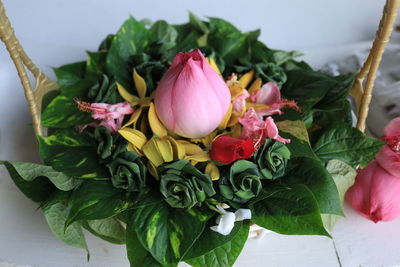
x=389, y=155
x=258, y=130
x=375, y=193
x=109, y=116
x=270, y=95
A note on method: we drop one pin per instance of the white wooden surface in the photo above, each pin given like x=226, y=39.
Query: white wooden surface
x=26, y=240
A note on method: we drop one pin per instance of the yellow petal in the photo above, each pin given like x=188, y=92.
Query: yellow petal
x=212, y=63
x=199, y=157
x=165, y=148
x=190, y=148
x=255, y=86
x=132, y=99
x=133, y=148
x=155, y=124
x=153, y=170
x=134, y=117
x=246, y=79
x=140, y=84
x=212, y=170
x=226, y=118
x=152, y=153
x=133, y=136
x=178, y=148
x=235, y=91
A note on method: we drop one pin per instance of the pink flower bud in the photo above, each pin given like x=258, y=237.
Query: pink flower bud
x=375, y=193
x=191, y=98
x=389, y=155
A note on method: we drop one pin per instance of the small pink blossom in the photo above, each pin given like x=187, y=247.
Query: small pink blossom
x=389, y=155
x=239, y=103
x=258, y=130
x=270, y=96
x=109, y=116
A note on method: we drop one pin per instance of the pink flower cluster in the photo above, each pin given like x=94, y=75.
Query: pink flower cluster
x=376, y=191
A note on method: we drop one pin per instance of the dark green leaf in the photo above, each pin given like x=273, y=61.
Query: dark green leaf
x=312, y=173
x=167, y=233
x=37, y=189
x=55, y=212
x=347, y=144
x=109, y=229
x=290, y=210
x=225, y=255
x=94, y=200
x=30, y=171
x=70, y=74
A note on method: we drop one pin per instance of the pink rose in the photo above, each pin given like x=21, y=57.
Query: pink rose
x=375, y=193
x=389, y=156
x=191, y=99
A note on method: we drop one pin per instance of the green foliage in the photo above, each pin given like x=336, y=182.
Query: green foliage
x=242, y=183
x=226, y=254
x=183, y=185
x=108, y=229
x=55, y=212
x=93, y=200
x=167, y=233
x=290, y=210
x=347, y=144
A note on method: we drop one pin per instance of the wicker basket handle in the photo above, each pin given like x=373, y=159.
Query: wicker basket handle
x=34, y=95
x=370, y=68
x=44, y=85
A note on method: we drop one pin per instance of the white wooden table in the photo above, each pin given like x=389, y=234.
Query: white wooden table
x=26, y=240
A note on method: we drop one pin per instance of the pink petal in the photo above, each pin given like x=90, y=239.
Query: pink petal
x=269, y=94
x=393, y=128
x=389, y=160
x=272, y=132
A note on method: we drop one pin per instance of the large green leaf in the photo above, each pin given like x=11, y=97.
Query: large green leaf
x=165, y=232
x=131, y=39
x=93, y=200
x=109, y=229
x=209, y=240
x=37, y=189
x=70, y=74
x=225, y=255
x=344, y=176
x=30, y=171
x=312, y=173
x=291, y=210
x=55, y=212
x=73, y=154
x=138, y=256
x=347, y=144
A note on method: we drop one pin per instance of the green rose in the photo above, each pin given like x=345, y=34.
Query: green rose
x=104, y=91
x=184, y=186
x=105, y=142
x=242, y=183
x=272, y=159
x=128, y=171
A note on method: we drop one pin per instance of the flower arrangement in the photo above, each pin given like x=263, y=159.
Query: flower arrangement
x=174, y=139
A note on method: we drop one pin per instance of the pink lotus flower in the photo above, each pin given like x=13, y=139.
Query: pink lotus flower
x=191, y=98
x=389, y=155
x=110, y=116
x=270, y=96
x=375, y=193
x=258, y=130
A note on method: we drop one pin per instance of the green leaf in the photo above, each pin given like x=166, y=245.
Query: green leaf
x=138, y=256
x=165, y=33
x=131, y=39
x=93, y=200
x=96, y=62
x=38, y=189
x=30, y=171
x=296, y=128
x=210, y=240
x=347, y=144
x=63, y=112
x=109, y=229
x=343, y=176
x=225, y=255
x=290, y=210
x=70, y=74
x=312, y=173
x=167, y=233
x=72, y=154
x=197, y=24
x=55, y=212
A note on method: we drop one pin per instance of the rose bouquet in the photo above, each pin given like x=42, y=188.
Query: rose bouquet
x=174, y=139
